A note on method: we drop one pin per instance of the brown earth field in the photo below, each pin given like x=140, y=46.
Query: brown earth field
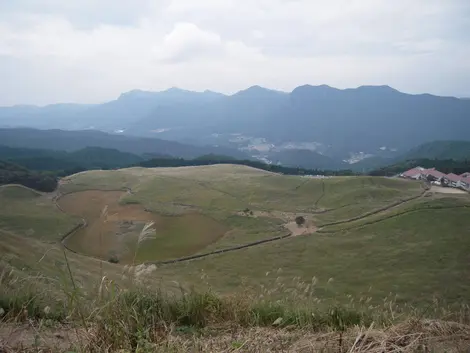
x=113, y=229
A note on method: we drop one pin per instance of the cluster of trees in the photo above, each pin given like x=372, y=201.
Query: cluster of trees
x=13, y=174
x=443, y=165
x=83, y=159
x=40, y=169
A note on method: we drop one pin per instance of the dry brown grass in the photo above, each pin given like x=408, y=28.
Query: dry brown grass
x=410, y=336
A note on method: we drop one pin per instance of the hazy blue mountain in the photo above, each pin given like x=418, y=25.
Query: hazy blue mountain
x=76, y=140
x=306, y=159
x=110, y=116
x=135, y=105
x=350, y=120
x=53, y=115
x=457, y=150
x=245, y=111
x=428, y=152
x=368, y=119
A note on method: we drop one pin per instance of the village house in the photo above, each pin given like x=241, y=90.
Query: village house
x=433, y=175
x=465, y=183
x=437, y=177
x=415, y=173
x=452, y=180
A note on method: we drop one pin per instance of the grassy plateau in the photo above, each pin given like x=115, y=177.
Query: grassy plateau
x=377, y=265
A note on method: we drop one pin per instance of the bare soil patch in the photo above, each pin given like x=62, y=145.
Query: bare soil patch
x=288, y=218
x=307, y=228
x=443, y=190
x=29, y=338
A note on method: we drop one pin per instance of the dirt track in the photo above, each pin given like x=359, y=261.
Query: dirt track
x=442, y=190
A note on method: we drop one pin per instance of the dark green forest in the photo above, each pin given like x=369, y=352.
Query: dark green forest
x=40, y=169
x=13, y=174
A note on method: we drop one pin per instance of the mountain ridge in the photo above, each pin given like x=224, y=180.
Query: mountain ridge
x=209, y=91
x=365, y=120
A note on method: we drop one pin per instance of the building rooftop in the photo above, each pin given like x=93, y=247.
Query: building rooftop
x=435, y=173
x=453, y=177
x=414, y=171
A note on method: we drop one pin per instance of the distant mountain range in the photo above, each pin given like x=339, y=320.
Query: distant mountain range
x=312, y=126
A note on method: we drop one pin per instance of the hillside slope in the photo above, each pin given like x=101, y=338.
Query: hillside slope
x=457, y=150
x=199, y=210
x=371, y=252
x=75, y=140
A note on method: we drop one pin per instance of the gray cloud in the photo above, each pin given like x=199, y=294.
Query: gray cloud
x=91, y=51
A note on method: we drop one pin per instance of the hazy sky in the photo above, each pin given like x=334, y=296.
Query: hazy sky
x=92, y=50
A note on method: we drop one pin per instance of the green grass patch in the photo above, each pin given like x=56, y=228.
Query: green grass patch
x=179, y=236
x=16, y=192
x=26, y=213
x=418, y=256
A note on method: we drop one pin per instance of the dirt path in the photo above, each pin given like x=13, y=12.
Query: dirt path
x=377, y=211
x=442, y=190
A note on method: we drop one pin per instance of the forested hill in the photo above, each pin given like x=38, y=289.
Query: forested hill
x=13, y=174
x=86, y=158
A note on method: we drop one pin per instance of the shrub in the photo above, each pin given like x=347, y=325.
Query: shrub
x=299, y=220
x=114, y=259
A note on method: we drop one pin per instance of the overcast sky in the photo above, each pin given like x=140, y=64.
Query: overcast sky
x=92, y=50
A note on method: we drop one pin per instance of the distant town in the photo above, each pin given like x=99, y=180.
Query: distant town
x=438, y=178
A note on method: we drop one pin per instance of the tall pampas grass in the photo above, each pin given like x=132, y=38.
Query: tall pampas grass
x=146, y=233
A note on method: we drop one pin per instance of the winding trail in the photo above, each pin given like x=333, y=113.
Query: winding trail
x=377, y=211
x=392, y=216
x=384, y=209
